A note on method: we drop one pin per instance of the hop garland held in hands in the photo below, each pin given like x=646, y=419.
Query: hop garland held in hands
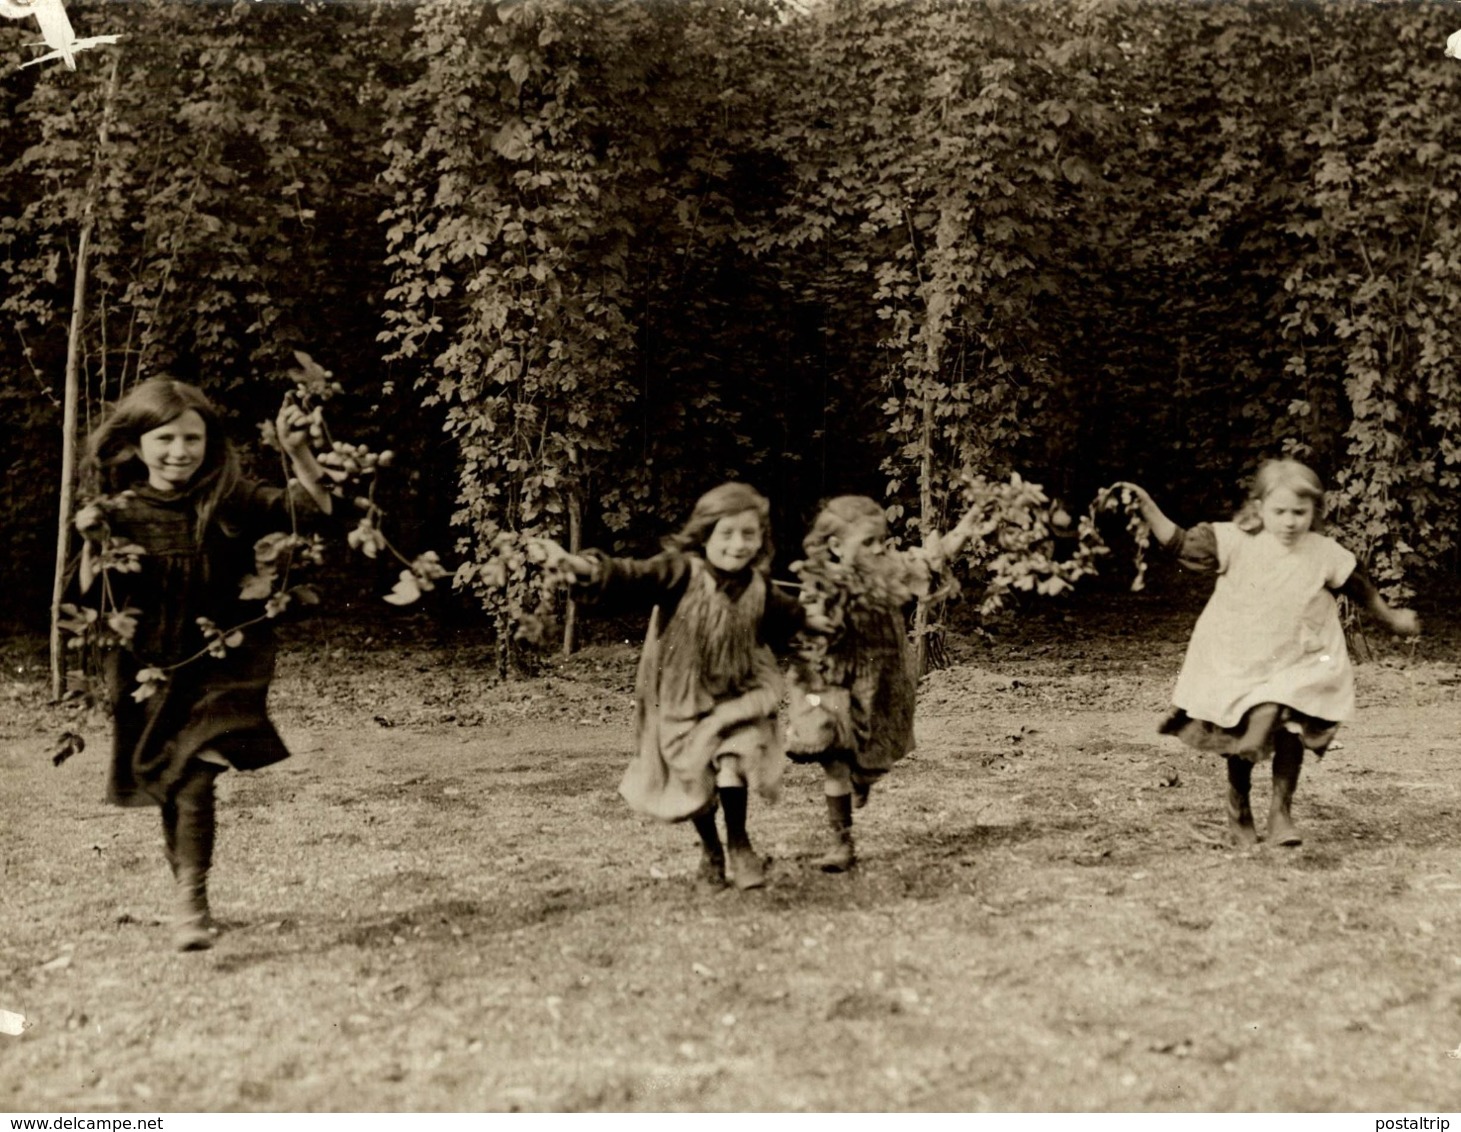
x=1016, y=532
x=353, y=468
x=1120, y=498
x=90, y=631
x=1018, y=529
x=279, y=557
x=515, y=585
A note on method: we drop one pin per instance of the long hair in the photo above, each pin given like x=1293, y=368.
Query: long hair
x=716, y=632
x=114, y=458
x=878, y=581
x=1299, y=478
x=836, y=516
x=719, y=503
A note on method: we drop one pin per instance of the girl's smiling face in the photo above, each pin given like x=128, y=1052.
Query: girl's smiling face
x=174, y=452
x=735, y=541
x=1287, y=514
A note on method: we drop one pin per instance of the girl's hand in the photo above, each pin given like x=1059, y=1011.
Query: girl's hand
x=557, y=560
x=955, y=541
x=816, y=619
x=1404, y=623
x=1137, y=490
x=546, y=551
x=969, y=522
x=814, y=613
x=292, y=427
x=91, y=521
x=1163, y=530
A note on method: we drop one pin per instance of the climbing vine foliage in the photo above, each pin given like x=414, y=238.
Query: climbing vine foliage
x=589, y=260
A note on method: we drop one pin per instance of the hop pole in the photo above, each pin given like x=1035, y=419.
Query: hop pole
x=575, y=544
x=71, y=393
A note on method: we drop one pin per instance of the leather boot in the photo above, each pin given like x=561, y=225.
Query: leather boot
x=192, y=921
x=712, y=854
x=170, y=835
x=744, y=865
x=841, y=856
x=190, y=912
x=1241, y=830
x=1288, y=760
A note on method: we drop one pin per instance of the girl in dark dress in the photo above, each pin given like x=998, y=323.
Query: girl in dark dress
x=855, y=589
x=171, y=486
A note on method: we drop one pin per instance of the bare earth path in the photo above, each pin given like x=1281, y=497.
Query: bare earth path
x=440, y=903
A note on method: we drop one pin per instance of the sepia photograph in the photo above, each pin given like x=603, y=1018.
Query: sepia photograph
x=730, y=556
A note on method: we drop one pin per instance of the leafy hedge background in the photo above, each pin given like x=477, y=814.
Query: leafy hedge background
x=589, y=259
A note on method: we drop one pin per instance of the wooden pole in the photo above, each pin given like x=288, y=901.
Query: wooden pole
x=68, y=466
x=933, y=347
x=575, y=543
x=926, y=525
x=71, y=394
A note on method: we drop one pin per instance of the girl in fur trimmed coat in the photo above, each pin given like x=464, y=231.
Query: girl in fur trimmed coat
x=708, y=684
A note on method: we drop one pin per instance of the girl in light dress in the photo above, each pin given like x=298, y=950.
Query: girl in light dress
x=1267, y=674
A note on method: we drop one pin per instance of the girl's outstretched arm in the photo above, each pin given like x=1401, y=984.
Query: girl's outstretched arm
x=553, y=557
x=1401, y=622
x=292, y=428
x=617, y=584
x=954, y=541
x=1163, y=529
x=1359, y=589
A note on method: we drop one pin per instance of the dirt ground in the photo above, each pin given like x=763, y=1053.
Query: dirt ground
x=440, y=903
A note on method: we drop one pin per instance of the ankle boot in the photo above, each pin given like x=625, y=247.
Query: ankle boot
x=1241, y=830
x=744, y=866
x=841, y=856
x=1288, y=759
x=712, y=853
x=190, y=913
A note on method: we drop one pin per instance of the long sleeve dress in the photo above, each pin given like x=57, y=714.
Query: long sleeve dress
x=213, y=703
x=868, y=653
x=1268, y=651
x=687, y=718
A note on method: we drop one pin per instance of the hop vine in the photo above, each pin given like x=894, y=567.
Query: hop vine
x=1017, y=535
x=1119, y=498
x=280, y=557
